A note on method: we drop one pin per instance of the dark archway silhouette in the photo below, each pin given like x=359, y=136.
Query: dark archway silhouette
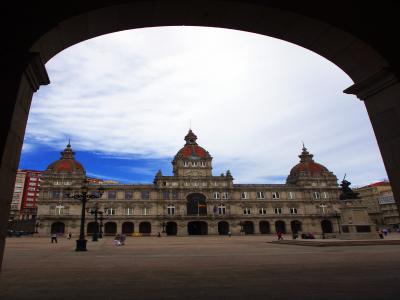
x=128, y=228
x=197, y=228
x=196, y=205
x=223, y=228
x=171, y=228
x=92, y=227
x=145, y=228
x=333, y=33
x=295, y=226
x=280, y=226
x=248, y=227
x=326, y=226
x=264, y=227
x=110, y=228
x=58, y=227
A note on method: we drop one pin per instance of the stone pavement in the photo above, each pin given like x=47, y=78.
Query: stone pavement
x=204, y=267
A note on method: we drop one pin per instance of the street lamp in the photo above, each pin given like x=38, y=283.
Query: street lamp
x=163, y=224
x=241, y=226
x=101, y=224
x=83, y=197
x=337, y=216
x=95, y=211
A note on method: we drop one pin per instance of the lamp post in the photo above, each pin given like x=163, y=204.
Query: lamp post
x=163, y=224
x=241, y=227
x=83, y=197
x=95, y=211
x=101, y=224
x=337, y=216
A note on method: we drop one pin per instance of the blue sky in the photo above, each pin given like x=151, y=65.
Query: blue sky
x=126, y=101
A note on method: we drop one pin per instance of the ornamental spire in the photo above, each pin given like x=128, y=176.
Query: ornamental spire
x=305, y=156
x=190, y=138
x=68, y=153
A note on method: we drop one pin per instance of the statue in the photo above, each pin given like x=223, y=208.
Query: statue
x=347, y=192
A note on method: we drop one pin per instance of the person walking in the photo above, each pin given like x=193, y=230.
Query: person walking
x=54, y=238
x=280, y=235
x=69, y=236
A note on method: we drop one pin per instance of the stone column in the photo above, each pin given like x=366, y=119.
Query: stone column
x=381, y=95
x=23, y=76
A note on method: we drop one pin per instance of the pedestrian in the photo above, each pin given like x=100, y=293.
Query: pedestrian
x=280, y=235
x=54, y=238
x=385, y=232
x=69, y=236
x=229, y=233
x=123, y=237
x=159, y=234
x=117, y=240
x=380, y=233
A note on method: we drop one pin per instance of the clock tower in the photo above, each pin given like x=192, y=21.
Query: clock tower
x=192, y=160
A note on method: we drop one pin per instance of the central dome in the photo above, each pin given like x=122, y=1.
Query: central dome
x=191, y=150
x=67, y=163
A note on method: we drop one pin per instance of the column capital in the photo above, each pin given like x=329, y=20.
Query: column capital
x=36, y=71
x=373, y=84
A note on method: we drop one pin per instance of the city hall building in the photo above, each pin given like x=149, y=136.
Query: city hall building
x=192, y=201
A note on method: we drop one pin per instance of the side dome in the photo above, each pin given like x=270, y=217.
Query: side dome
x=67, y=163
x=307, y=171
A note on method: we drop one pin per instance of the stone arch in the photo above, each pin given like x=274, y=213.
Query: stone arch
x=171, y=228
x=92, y=227
x=196, y=204
x=264, y=227
x=248, y=227
x=280, y=226
x=128, y=228
x=58, y=227
x=110, y=228
x=145, y=228
x=326, y=226
x=296, y=226
x=223, y=228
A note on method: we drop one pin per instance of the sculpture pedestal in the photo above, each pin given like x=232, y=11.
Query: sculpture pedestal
x=355, y=221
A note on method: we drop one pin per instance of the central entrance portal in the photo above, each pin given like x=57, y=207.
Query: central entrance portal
x=197, y=228
x=196, y=205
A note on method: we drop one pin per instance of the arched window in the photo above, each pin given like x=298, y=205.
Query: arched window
x=221, y=209
x=170, y=209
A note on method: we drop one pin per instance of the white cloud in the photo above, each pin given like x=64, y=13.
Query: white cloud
x=252, y=100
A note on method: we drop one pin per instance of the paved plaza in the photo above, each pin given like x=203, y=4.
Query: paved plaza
x=209, y=267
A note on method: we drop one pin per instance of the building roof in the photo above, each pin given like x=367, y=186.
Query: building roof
x=67, y=163
x=307, y=164
x=191, y=149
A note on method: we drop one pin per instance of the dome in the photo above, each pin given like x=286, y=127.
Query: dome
x=67, y=163
x=307, y=164
x=191, y=150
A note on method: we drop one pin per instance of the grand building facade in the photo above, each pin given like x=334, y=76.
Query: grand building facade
x=193, y=201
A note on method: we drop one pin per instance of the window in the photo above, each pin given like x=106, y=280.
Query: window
x=263, y=211
x=194, y=164
x=203, y=163
x=56, y=195
x=317, y=195
x=128, y=195
x=325, y=195
x=165, y=195
x=216, y=195
x=175, y=195
x=185, y=164
x=293, y=210
x=145, y=211
x=247, y=211
x=145, y=195
x=29, y=199
x=31, y=189
x=291, y=195
x=275, y=195
x=31, y=194
x=221, y=209
x=110, y=211
x=278, y=210
x=170, y=209
x=225, y=195
x=112, y=195
x=32, y=183
x=244, y=195
x=34, y=179
x=260, y=195
x=128, y=211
